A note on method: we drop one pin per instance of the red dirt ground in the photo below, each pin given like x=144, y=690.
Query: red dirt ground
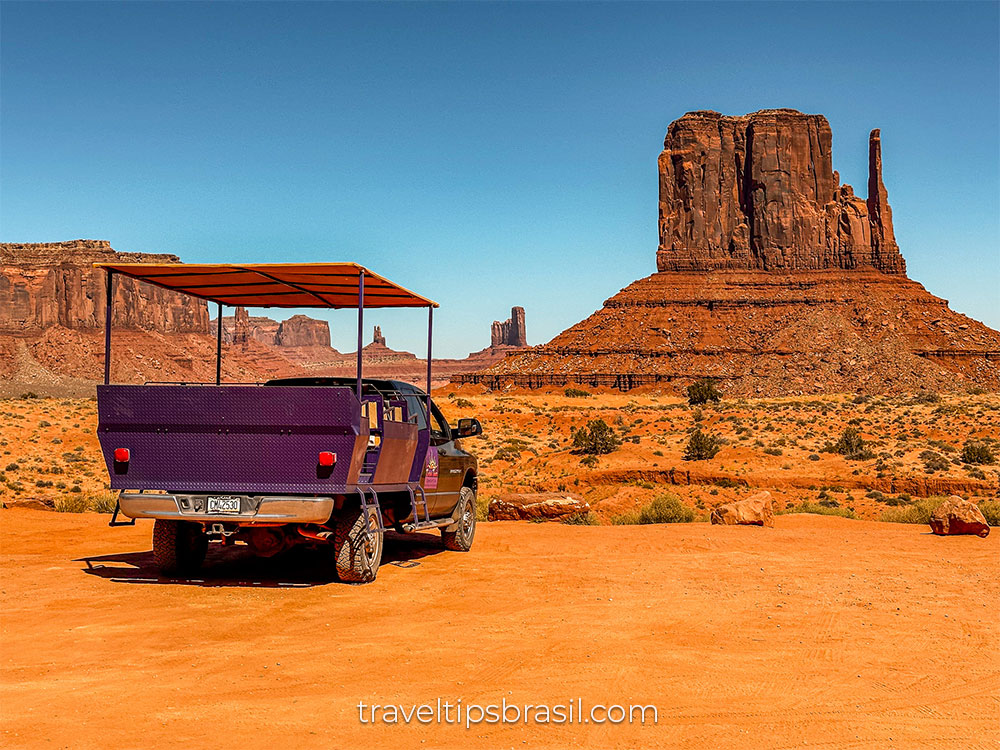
x=822, y=632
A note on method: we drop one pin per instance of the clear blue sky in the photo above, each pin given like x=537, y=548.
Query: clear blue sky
x=484, y=155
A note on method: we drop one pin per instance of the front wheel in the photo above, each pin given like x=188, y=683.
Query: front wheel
x=357, y=554
x=460, y=540
x=178, y=546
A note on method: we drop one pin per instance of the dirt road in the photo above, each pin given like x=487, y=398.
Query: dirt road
x=822, y=632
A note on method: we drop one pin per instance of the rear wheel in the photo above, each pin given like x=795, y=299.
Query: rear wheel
x=178, y=546
x=357, y=555
x=460, y=540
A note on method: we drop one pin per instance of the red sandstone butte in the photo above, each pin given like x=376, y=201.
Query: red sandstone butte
x=773, y=278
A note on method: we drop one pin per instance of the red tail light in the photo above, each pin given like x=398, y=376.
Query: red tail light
x=121, y=455
x=326, y=458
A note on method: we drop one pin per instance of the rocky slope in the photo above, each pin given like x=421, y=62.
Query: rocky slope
x=773, y=278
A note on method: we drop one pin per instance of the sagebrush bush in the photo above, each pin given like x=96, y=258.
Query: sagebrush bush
x=576, y=393
x=978, y=453
x=919, y=511
x=596, y=439
x=702, y=391
x=662, y=509
x=587, y=518
x=850, y=445
x=819, y=509
x=991, y=510
x=701, y=446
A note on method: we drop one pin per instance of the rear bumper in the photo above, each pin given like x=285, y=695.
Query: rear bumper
x=253, y=509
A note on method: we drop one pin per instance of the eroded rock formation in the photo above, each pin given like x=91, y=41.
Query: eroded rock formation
x=301, y=330
x=49, y=284
x=297, y=331
x=377, y=337
x=759, y=192
x=773, y=279
x=510, y=332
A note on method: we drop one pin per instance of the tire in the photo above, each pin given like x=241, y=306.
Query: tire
x=461, y=539
x=357, y=555
x=178, y=546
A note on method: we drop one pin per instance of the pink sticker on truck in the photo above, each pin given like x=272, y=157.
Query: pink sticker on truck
x=432, y=465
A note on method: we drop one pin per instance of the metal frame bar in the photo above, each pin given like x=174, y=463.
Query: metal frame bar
x=430, y=329
x=108, y=291
x=361, y=323
x=218, y=351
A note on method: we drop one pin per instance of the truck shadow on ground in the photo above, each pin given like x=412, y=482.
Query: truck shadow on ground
x=237, y=566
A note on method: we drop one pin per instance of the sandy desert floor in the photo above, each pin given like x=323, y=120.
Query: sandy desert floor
x=821, y=632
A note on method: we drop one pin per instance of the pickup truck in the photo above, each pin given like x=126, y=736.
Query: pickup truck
x=296, y=461
x=330, y=462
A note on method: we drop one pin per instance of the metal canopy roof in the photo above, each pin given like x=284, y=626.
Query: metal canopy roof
x=333, y=285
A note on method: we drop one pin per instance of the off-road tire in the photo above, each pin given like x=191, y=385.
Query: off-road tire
x=461, y=539
x=178, y=546
x=356, y=555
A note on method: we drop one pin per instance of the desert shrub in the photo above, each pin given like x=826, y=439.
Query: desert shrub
x=934, y=461
x=12, y=467
x=850, y=445
x=463, y=403
x=991, y=510
x=482, y=508
x=104, y=501
x=78, y=503
x=662, y=509
x=590, y=461
x=577, y=393
x=916, y=512
x=702, y=391
x=701, y=446
x=819, y=509
x=29, y=394
x=44, y=423
x=814, y=457
x=925, y=397
x=773, y=451
x=596, y=439
x=978, y=453
x=586, y=518
x=726, y=482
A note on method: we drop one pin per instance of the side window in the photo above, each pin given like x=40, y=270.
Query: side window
x=440, y=432
x=416, y=410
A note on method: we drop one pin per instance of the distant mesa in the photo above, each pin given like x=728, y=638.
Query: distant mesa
x=52, y=309
x=297, y=331
x=49, y=284
x=772, y=278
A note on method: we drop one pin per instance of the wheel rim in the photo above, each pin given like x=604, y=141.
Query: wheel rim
x=468, y=520
x=373, y=543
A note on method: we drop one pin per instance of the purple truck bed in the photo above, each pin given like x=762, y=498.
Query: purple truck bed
x=231, y=438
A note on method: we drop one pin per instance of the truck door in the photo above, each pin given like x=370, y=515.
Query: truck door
x=450, y=464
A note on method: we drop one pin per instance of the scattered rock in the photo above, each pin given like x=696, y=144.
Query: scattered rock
x=959, y=516
x=756, y=510
x=541, y=506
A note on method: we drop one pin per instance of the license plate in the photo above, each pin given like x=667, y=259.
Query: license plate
x=223, y=505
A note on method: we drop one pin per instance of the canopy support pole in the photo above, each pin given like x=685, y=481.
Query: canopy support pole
x=218, y=350
x=430, y=330
x=107, y=326
x=361, y=323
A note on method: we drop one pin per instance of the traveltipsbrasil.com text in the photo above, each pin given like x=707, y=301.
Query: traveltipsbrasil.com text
x=472, y=714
